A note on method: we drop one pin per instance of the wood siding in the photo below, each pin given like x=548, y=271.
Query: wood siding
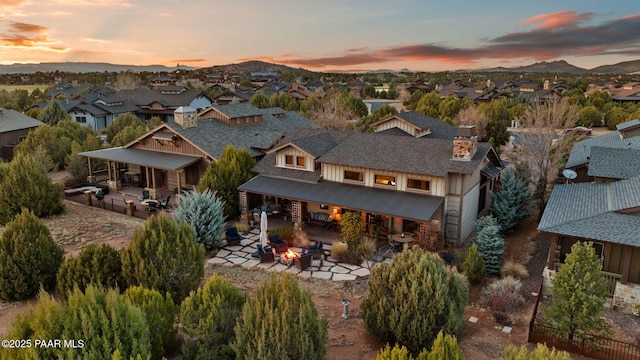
x=469, y=211
x=179, y=146
x=613, y=261
x=309, y=161
x=13, y=137
x=395, y=123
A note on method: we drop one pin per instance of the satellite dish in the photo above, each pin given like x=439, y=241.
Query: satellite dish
x=569, y=174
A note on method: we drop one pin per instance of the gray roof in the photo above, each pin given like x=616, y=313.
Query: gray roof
x=11, y=120
x=267, y=166
x=237, y=110
x=154, y=159
x=423, y=156
x=388, y=202
x=582, y=149
x=145, y=97
x=628, y=124
x=614, y=163
x=594, y=211
x=213, y=136
x=439, y=129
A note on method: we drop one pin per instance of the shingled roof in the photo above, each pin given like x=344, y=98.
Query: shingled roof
x=614, y=163
x=581, y=150
x=11, y=120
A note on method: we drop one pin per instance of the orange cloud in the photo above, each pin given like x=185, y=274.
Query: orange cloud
x=11, y=3
x=558, y=19
x=29, y=36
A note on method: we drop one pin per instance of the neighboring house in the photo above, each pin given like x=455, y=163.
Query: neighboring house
x=602, y=205
x=174, y=155
x=14, y=127
x=416, y=174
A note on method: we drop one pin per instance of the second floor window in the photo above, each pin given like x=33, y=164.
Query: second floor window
x=353, y=175
x=418, y=184
x=300, y=161
x=386, y=180
x=288, y=160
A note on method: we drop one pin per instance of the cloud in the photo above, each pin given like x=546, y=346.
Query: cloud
x=29, y=36
x=93, y=3
x=558, y=34
x=11, y=3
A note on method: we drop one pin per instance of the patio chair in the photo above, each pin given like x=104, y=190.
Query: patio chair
x=303, y=261
x=265, y=254
x=164, y=204
x=100, y=195
x=145, y=196
x=232, y=235
x=278, y=244
x=316, y=251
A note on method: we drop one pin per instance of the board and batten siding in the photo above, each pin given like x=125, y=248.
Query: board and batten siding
x=180, y=147
x=309, y=161
x=469, y=212
x=613, y=261
x=395, y=123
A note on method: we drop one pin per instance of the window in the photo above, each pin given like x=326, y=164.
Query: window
x=300, y=161
x=81, y=119
x=418, y=184
x=386, y=180
x=353, y=175
x=288, y=160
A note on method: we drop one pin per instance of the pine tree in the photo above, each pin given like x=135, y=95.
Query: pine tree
x=578, y=296
x=541, y=352
x=208, y=317
x=399, y=352
x=29, y=258
x=204, y=212
x=96, y=264
x=445, y=347
x=490, y=244
x=280, y=322
x=473, y=266
x=414, y=298
x=512, y=202
x=53, y=113
x=164, y=256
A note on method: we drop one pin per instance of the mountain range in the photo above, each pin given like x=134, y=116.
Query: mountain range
x=560, y=66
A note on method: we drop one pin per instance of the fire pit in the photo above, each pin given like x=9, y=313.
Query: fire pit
x=287, y=258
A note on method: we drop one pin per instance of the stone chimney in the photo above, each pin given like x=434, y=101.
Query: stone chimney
x=185, y=116
x=546, y=85
x=465, y=144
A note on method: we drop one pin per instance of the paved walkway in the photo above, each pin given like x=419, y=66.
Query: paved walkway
x=325, y=268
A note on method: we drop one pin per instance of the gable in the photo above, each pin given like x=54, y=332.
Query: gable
x=165, y=139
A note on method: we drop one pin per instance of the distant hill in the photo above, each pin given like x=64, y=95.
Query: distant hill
x=626, y=67
x=83, y=67
x=561, y=66
x=253, y=66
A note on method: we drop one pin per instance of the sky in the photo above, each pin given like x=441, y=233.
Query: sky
x=321, y=35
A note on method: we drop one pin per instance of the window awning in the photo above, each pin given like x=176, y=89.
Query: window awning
x=152, y=159
x=402, y=204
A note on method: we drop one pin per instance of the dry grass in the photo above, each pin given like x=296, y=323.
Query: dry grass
x=529, y=249
x=514, y=269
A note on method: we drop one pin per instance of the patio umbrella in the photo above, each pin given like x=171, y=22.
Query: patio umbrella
x=264, y=237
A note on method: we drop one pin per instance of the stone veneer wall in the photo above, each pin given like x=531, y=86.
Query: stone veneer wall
x=625, y=296
x=547, y=286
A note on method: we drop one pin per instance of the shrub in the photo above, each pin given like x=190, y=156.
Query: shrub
x=29, y=258
x=413, y=298
x=541, y=352
x=512, y=202
x=25, y=184
x=204, y=212
x=340, y=251
x=208, y=317
x=398, y=352
x=242, y=227
x=490, y=244
x=351, y=228
x=503, y=296
x=164, y=256
x=96, y=264
x=284, y=233
x=445, y=347
x=280, y=322
x=472, y=265
x=514, y=269
x=160, y=314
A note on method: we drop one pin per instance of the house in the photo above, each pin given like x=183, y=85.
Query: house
x=602, y=205
x=174, y=155
x=414, y=174
x=14, y=127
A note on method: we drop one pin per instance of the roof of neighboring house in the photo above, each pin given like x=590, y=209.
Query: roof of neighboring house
x=11, y=120
x=145, y=97
x=614, y=163
x=267, y=166
x=595, y=211
x=439, y=129
x=582, y=149
x=235, y=110
x=142, y=157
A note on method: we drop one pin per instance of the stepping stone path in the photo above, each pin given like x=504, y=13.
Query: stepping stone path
x=326, y=268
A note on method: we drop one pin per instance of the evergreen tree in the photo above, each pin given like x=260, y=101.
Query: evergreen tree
x=472, y=265
x=204, y=212
x=280, y=322
x=260, y=100
x=414, y=298
x=98, y=265
x=128, y=134
x=445, y=347
x=223, y=177
x=164, y=256
x=120, y=123
x=53, y=113
x=512, y=202
x=490, y=244
x=578, y=296
x=398, y=352
x=29, y=258
x=208, y=317
x=541, y=352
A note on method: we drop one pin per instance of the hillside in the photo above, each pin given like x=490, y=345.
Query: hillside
x=254, y=66
x=82, y=67
x=626, y=67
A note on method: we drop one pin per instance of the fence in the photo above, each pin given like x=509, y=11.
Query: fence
x=593, y=346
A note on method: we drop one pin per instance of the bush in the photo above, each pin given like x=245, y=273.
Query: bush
x=503, y=296
x=514, y=269
x=25, y=184
x=284, y=233
x=208, y=317
x=29, y=258
x=445, y=347
x=280, y=322
x=97, y=264
x=472, y=265
x=541, y=352
x=164, y=256
x=490, y=244
x=340, y=251
x=512, y=202
x=160, y=314
x=351, y=228
x=398, y=352
x=203, y=211
x=413, y=298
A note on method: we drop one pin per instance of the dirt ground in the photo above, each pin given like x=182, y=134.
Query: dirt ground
x=347, y=339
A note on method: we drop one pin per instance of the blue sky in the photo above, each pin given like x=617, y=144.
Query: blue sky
x=321, y=35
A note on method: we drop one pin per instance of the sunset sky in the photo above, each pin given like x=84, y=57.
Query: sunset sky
x=323, y=35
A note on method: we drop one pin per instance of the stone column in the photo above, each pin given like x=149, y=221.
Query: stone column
x=87, y=197
x=131, y=207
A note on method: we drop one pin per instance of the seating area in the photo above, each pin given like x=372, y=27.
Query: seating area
x=278, y=244
x=265, y=254
x=232, y=236
x=316, y=251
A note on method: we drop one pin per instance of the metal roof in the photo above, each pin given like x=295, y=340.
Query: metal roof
x=364, y=198
x=154, y=159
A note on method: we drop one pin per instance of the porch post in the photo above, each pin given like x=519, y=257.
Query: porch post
x=552, y=251
x=109, y=169
x=90, y=177
x=626, y=263
x=242, y=199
